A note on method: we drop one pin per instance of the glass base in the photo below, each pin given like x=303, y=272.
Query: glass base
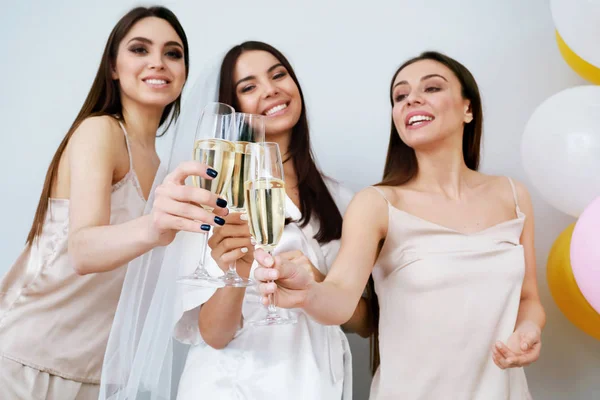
x=231, y=279
x=273, y=319
x=201, y=279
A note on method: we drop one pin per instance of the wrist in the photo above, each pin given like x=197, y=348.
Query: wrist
x=528, y=325
x=150, y=238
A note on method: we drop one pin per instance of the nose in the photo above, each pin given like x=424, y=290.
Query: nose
x=155, y=62
x=270, y=90
x=414, y=98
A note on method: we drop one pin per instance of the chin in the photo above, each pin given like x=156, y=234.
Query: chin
x=281, y=124
x=154, y=102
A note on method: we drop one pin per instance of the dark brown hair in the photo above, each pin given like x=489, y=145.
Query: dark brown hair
x=104, y=97
x=401, y=162
x=315, y=198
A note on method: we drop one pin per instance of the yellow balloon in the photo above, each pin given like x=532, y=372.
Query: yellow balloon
x=586, y=70
x=564, y=289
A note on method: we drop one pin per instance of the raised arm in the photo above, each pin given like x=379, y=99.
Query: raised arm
x=333, y=301
x=94, y=244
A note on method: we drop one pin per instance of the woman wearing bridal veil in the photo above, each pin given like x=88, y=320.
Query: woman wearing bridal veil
x=306, y=359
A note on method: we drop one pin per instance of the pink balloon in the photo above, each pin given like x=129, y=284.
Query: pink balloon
x=585, y=253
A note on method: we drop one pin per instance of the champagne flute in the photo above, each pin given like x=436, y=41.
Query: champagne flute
x=213, y=147
x=248, y=128
x=265, y=202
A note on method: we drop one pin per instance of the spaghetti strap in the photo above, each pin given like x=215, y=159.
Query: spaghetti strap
x=514, y=191
x=381, y=193
x=128, y=146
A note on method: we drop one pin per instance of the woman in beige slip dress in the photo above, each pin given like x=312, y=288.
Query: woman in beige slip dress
x=58, y=300
x=450, y=250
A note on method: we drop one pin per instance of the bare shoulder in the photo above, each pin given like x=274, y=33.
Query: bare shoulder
x=367, y=210
x=101, y=130
x=501, y=186
x=523, y=197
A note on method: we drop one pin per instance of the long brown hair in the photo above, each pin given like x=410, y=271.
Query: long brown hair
x=315, y=197
x=104, y=98
x=401, y=162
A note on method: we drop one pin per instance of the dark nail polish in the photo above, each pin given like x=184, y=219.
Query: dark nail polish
x=219, y=221
x=205, y=227
x=221, y=203
x=212, y=173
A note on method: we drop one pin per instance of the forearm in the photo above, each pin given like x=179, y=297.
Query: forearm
x=221, y=316
x=105, y=248
x=531, y=310
x=329, y=304
x=361, y=321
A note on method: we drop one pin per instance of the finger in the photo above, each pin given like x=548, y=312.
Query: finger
x=496, y=359
x=238, y=218
x=229, y=244
x=191, y=194
x=234, y=255
x=504, y=351
x=267, y=288
x=231, y=231
x=528, y=340
x=170, y=222
x=187, y=211
x=190, y=168
x=263, y=274
x=264, y=258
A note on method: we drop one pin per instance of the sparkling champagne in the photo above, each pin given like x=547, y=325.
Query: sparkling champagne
x=219, y=155
x=235, y=195
x=265, y=202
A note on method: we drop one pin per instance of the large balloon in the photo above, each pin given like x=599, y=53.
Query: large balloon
x=585, y=253
x=560, y=148
x=564, y=289
x=578, y=22
x=583, y=68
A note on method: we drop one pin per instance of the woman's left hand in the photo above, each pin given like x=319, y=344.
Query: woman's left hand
x=521, y=349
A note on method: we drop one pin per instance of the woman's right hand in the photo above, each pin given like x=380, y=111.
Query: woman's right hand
x=233, y=242
x=177, y=207
x=293, y=280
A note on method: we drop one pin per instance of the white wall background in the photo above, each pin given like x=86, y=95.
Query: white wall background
x=344, y=54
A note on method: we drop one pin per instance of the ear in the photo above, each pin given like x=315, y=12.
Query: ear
x=113, y=72
x=468, y=112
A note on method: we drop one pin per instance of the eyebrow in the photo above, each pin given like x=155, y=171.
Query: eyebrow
x=422, y=79
x=146, y=40
x=249, y=78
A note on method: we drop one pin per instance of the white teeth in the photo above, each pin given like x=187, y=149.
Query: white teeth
x=419, y=118
x=156, y=81
x=276, y=109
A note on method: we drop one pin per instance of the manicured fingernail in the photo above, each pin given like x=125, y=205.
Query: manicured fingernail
x=244, y=250
x=221, y=203
x=252, y=241
x=205, y=227
x=212, y=173
x=273, y=274
x=269, y=261
x=244, y=217
x=219, y=221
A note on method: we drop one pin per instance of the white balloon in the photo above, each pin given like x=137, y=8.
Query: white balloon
x=578, y=23
x=560, y=148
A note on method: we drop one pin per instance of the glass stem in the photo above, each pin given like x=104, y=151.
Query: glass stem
x=271, y=308
x=200, y=269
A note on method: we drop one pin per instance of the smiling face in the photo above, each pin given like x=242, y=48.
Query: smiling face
x=264, y=86
x=150, y=66
x=428, y=105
